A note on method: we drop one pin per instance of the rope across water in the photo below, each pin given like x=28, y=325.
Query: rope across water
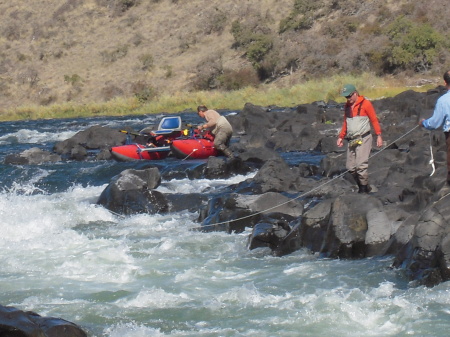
x=305, y=193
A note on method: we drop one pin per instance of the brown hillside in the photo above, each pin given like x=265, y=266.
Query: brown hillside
x=87, y=51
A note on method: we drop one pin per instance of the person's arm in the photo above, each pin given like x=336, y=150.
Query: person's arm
x=435, y=121
x=342, y=133
x=370, y=111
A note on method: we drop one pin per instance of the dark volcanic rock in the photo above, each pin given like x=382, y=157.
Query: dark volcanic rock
x=404, y=215
x=132, y=191
x=95, y=137
x=426, y=256
x=18, y=323
x=33, y=156
x=248, y=209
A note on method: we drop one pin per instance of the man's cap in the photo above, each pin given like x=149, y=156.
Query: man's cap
x=347, y=90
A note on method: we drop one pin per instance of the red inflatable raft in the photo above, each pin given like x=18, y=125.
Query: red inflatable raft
x=138, y=151
x=194, y=148
x=169, y=138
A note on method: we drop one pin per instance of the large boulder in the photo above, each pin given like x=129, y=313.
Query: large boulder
x=274, y=231
x=33, y=156
x=18, y=323
x=277, y=176
x=219, y=167
x=235, y=212
x=351, y=226
x=94, y=138
x=132, y=191
x=426, y=256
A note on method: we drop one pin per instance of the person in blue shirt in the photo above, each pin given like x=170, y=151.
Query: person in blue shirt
x=441, y=117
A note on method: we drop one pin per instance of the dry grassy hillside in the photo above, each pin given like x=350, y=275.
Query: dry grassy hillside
x=87, y=51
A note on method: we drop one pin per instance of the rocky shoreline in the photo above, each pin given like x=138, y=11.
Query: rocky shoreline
x=306, y=206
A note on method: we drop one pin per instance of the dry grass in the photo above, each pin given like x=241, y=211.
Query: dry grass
x=311, y=91
x=46, y=42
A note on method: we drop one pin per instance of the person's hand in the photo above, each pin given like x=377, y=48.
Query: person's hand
x=340, y=142
x=200, y=127
x=379, y=141
x=421, y=122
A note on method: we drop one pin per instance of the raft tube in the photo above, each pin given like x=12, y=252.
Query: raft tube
x=139, y=152
x=193, y=148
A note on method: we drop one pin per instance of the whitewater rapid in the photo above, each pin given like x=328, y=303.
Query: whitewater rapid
x=152, y=275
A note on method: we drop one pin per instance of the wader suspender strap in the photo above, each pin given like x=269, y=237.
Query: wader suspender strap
x=360, y=106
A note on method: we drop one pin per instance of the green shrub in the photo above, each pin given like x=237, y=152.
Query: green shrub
x=240, y=34
x=302, y=16
x=73, y=79
x=258, y=48
x=413, y=46
x=256, y=41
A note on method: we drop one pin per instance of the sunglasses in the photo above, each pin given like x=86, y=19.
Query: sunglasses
x=348, y=97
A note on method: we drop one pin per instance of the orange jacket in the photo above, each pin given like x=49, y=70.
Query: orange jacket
x=366, y=110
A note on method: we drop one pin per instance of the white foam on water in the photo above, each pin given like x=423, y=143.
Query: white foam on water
x=155, y=298
x=186, y=186
x=151, y=275
x=132, y=329
x=27, y=136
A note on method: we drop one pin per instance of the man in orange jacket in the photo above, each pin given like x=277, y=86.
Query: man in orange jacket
x=358, y=115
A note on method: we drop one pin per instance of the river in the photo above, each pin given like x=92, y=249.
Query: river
x=152, y=275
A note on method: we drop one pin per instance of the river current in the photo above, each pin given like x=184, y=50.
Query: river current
x=152, y=275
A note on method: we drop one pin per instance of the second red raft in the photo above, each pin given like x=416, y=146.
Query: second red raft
x=197, y=148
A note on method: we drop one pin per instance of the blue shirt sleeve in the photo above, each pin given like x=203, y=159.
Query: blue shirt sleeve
x=441, y=114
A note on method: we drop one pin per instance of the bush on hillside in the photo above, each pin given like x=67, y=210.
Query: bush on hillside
x=302, y=16
x=256, y=40
x=147, y=61
x=74, y=79
x=238, y=79
x=143, y=91
x=207, y=72
x=412, y=46
x=213, y=22
x=110, y=91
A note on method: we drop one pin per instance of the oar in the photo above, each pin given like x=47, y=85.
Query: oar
x=131, y=133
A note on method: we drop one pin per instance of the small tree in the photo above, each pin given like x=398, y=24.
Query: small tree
x=256, y=41
x=412, y=46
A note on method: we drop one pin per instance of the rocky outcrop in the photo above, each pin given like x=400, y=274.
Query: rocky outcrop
x=18, y=323
x=426, y=255
x=33, y=156
x=351, y=226
x=221, y=212
x=132, y=191
x=404, y=216
x=94, y=138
